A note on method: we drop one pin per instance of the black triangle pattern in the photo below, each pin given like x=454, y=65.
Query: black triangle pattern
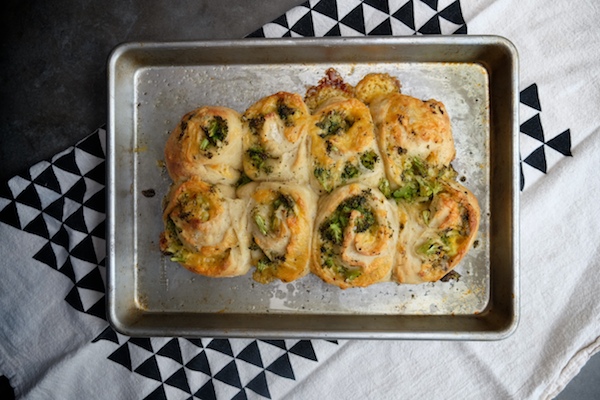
x=206, y=392
x=122, y=356
x=107, y=334
x=327, y=8
x=92, y=281
x=157, y=394
x=149, y=369
x=229, y=375
x=355, y=19
x=48, y=180
x=282, y=367
x=144, y=343
x=199, y=363
x=383, y=29
x=259, y=385
x=46, y=255
x=29, y=196
x=241, y=395
x=179, y=380
x=537, y=159
x=381, y=5
x=304, y=348
x=562, y=143
x=221, y=345
x=433, y=4
x=406, y=14
x=529, y=96
x=431, y=27
x=56, y=208
x=533, y=128
x=92, y=144
x=37, y=226
x=304, y=26
x=172, y=350
x=251, y=354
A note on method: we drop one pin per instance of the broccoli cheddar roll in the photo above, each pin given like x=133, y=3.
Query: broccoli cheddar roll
x=416, y=143
x=343, y=146
x=354, y=238
x=435, y=235
x=275, y=148
x=205, y=231
x=280, y=224
x=206, y=143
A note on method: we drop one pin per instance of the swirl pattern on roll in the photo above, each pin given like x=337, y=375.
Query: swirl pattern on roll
x=435, y=235
x=280, y=223
x=206, y=143
x=275, y=149
x=205, y=231
x=343, y=148
x=353, y=243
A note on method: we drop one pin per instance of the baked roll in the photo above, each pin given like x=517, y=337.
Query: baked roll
x=205, y=231
x=416, y=143
x=280, y=224
x=275, y=147
x=330, y=86
x=206, y=143
x=435, y=236
x=343, y=148
x=353, y=243
x=374, y=85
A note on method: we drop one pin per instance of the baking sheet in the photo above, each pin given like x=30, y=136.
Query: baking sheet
x=156, y=87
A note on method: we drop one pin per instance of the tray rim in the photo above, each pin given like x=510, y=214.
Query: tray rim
x=132, y=328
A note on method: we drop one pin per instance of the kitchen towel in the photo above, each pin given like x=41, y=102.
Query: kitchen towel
x=55, y=341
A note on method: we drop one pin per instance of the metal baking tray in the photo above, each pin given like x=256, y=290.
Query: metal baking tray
x=151, y=86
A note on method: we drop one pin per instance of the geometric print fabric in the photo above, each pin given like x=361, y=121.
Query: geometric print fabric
x=320, y=18
x=216, y=368
x=539, y=150
x=62, y=201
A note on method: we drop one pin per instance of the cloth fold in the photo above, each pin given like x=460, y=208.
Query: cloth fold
x=55, y=341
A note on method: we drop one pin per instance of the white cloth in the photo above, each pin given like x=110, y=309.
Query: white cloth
x=54, y=343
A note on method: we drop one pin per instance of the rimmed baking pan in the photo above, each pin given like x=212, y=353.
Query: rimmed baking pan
x=152, y=85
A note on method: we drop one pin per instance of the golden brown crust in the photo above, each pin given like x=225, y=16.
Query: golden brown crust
x=410, y=128
x=275, y=148
x=374, y=85
x=354, y=237
x=280, y=223
x=206, y=143
x=436, y=235
x=330, y=86
x=343, y=148
x=204, y=230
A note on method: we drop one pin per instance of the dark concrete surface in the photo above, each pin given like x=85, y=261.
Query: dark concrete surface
x=53, y=75
x=53, y=61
